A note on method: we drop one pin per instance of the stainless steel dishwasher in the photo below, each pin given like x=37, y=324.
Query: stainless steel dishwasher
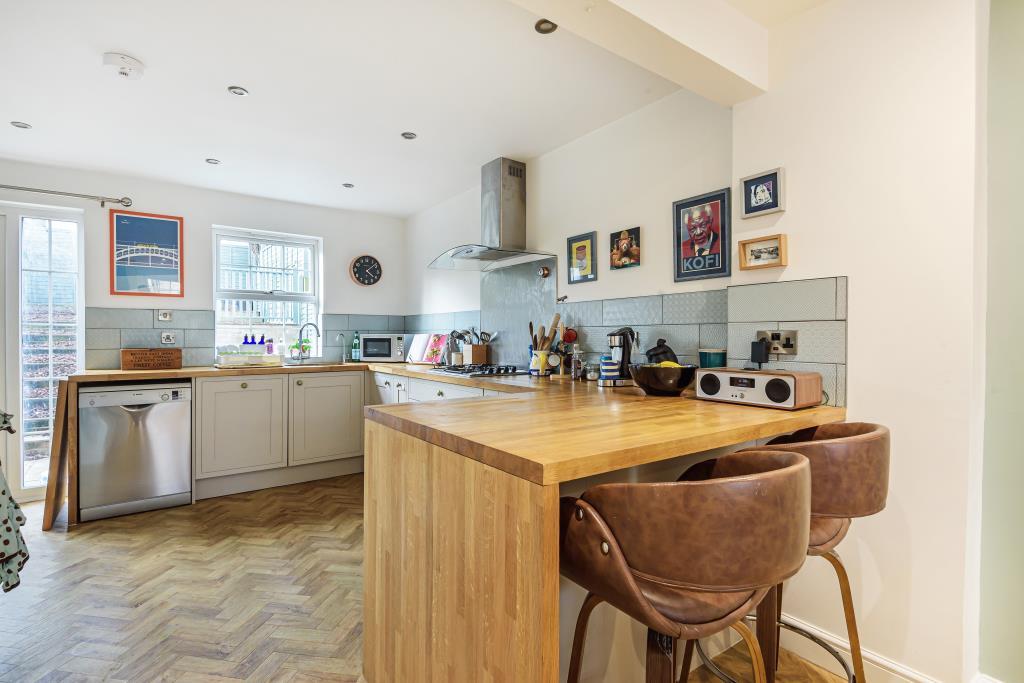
x=134, y=448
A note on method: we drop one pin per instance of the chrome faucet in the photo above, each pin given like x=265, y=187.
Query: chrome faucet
x=305, y=354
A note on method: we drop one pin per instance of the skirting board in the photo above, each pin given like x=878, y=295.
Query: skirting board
x=982, y=678
x=253, y=481
x=878, y=668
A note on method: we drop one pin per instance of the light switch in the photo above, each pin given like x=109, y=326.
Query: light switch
x=164, y=315
x=166, y=337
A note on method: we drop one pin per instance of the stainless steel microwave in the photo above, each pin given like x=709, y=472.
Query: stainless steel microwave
x=382, y=348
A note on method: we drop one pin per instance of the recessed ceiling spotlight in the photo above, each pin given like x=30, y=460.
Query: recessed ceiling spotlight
x=21, y=124
x=213, y=161
x=409, y=136
x=237, y=90
x=545, y=26
x=347, y=186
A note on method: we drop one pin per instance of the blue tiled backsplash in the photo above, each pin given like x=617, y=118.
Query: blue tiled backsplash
x=724, y=318
x=107, y=330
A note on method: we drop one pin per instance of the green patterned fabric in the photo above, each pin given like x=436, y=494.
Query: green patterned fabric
x=13, y=552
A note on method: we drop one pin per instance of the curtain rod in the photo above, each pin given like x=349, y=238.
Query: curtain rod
x=123, y=201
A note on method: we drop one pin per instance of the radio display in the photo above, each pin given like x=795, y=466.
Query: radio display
x=743, y=382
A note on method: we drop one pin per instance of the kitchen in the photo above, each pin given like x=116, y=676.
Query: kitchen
x=622, y=150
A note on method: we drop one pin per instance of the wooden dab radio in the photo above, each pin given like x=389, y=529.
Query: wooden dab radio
x=766, y=388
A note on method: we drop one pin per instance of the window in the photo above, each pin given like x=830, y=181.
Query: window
x=267, y=285
x=50, y=318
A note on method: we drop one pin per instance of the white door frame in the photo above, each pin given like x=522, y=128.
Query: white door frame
x=10, y=388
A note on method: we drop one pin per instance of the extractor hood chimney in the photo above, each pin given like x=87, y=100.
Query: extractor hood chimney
x=502, y=223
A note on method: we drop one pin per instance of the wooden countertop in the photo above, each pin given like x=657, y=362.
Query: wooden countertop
x=555, y=430
x=574, y=431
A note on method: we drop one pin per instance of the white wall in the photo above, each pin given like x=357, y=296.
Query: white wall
x=873, y=116
x=346, y=235
x=451, y=223
x=625, y=174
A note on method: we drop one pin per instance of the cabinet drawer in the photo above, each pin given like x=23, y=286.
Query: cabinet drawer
x=423, y=390
x=241, y=423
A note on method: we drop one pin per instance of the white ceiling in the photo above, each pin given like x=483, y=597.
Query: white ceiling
x=774, y=12
x=332, y=82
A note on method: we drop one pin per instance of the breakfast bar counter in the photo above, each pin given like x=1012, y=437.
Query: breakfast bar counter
x=462, y=515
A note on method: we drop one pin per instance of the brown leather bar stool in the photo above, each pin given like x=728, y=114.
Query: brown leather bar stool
x=688, y=559
x=849, y=478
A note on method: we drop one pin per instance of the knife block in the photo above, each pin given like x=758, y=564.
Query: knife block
x=474, y=354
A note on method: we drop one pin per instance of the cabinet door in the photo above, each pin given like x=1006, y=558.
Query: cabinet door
x=241, y=424
x=326, y=416
x=424, y=390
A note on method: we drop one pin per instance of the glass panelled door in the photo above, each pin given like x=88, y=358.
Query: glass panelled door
x=48, y=328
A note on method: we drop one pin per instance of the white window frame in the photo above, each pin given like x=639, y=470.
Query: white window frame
x=278, y=238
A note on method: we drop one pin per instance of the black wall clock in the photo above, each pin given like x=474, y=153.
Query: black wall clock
x=365, y=270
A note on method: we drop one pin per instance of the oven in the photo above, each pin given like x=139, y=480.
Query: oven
x=382, y=348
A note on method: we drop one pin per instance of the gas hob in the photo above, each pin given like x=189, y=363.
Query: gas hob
x=487, y=370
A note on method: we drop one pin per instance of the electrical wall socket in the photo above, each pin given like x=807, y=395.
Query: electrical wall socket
x=164, y=315
x=166, y=337
x=783, y=342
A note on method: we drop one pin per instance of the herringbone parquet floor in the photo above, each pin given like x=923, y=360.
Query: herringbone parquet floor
x=262, y=586
x=256, y=586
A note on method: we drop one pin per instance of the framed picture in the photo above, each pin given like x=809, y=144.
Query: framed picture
x=582, y=258
x=763, y=193
x=146, y=254
x=702, y=236
x=763, y=252
x=625, y=249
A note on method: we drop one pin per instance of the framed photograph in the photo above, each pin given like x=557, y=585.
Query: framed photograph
x=702, y=236
x=146, y=254
x=763, y=193
x=625, y=249
x=763, y=252
x=582, y=258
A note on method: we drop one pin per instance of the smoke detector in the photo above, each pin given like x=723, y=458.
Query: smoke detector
x=126, y=65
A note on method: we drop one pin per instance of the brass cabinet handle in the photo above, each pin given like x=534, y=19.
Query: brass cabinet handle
x=245, y=385
x=299, y=382
x=386, y=383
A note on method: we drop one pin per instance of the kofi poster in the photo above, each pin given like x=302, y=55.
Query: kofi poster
x=702, y=236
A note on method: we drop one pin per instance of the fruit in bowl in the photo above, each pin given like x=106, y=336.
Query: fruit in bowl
x=663, y=379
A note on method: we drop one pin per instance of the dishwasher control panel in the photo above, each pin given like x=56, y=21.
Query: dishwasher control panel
x=98, y=397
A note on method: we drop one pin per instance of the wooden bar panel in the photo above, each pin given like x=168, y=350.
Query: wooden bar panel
x=461, y=574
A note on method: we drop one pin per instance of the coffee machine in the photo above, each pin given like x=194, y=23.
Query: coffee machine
x=615, y=373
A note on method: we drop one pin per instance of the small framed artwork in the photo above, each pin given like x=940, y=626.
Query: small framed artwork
x=146, y=254
x=702, y=236
x=763, y=252
x=764, y=193
x=582, y=258
x=625, y=249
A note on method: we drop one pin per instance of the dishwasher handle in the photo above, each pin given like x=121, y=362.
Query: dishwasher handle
x=137, y=408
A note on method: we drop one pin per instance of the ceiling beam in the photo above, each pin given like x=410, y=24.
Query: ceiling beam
x=705, y=46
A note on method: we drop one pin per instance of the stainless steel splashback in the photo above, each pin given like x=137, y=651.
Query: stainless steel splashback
x=509, y=299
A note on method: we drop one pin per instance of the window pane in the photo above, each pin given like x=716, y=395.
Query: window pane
x=277, y=320
x=264, y=267
x=35, y=243
x=65, y=246
x=49, y=337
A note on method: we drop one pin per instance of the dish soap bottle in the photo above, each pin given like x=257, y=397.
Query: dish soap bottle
x=356, y=352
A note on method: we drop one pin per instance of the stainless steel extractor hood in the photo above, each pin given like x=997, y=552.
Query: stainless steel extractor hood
x=502, y=223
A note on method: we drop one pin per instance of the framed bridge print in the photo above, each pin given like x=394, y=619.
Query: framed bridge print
x=146, y=254
x=702, y=236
